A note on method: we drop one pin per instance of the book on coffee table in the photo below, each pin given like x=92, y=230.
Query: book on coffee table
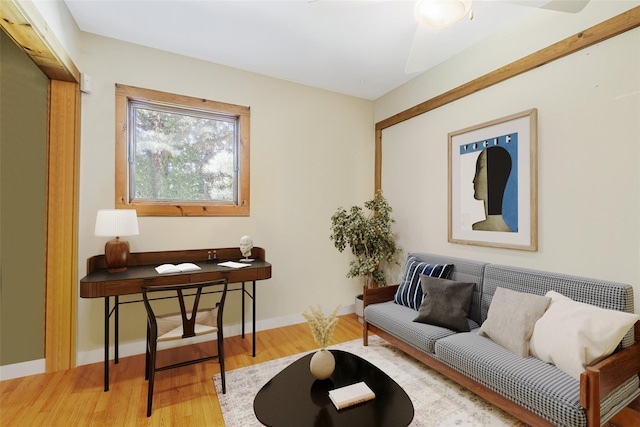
x=350, y=395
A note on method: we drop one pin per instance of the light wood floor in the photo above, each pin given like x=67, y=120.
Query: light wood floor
x=183, y=397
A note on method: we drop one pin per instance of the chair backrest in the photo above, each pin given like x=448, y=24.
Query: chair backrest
x=185, y=290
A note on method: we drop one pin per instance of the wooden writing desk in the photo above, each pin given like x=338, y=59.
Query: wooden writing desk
x=99, y=283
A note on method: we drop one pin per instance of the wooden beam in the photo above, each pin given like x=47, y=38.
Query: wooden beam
x=605, y=30
x=28, y=29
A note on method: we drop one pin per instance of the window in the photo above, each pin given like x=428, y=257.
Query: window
x=180, y=156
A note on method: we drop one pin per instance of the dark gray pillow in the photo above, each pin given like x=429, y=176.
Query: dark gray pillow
x=446, y=303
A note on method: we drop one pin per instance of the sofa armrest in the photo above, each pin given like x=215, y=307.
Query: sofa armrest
x=379, y=294
x=601, y=378
x=374, y=296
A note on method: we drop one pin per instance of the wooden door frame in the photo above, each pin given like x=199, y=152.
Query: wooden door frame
x=28, y=29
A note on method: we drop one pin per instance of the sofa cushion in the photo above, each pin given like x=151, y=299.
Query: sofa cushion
x=512, y=317
x=409, y=291
x=572, y=335
x=531, y=383
x=445, y=303
x=397, y=320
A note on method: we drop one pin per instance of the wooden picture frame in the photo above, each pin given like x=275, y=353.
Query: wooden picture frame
x=493, y=183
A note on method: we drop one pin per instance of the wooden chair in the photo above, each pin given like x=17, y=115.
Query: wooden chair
x=183, y=324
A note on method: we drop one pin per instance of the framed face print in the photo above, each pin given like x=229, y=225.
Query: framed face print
x=493, y=183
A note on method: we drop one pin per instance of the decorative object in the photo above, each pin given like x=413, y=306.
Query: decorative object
x=116, y=223
x=493, y=183
x=588, y=333
x=446, y=303
x=511, y=318
x=322, y=363
x=441, y=13
x=436, y=399
x=370, y=238
x=246, y=244
x=409, y=292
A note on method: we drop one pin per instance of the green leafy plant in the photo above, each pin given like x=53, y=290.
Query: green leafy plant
x=369, y=236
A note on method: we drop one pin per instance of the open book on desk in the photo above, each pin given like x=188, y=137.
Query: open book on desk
x=180, y=268
x=233, y=264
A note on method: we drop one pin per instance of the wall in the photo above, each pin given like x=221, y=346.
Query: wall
x=311, y=152
x=23, y=113
x=589, y=158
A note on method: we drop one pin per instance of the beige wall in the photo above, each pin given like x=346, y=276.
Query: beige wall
x=589, y=158
x=23, y=136
x=311, y=152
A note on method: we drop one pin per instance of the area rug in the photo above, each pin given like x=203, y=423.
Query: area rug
x=437, y=401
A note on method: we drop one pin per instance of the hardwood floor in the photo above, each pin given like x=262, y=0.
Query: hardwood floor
x=184, y=396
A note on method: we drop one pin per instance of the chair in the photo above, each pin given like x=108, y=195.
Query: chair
x=184, y=324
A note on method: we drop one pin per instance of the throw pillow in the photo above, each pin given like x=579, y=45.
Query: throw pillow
x=572, y=335
x=511, y=318
x=409, y=292
x=446, y=303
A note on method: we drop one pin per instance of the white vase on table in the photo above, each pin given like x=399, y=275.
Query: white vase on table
x=322, y=364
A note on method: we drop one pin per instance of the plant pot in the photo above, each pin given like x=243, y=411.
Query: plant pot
x=360, y=308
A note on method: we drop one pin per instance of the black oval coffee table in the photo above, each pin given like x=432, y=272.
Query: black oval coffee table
x=294, y=398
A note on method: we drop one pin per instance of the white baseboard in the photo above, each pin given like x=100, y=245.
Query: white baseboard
x=34, y=367
x=22, y=369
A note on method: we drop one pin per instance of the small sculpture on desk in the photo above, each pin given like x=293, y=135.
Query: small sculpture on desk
x=246, y=244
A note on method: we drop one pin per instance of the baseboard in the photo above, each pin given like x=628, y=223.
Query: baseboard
x=34, y=367
x=22, y=369
x=137, y=347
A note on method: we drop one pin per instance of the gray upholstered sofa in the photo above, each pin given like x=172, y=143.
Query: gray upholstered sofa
x=530, y=389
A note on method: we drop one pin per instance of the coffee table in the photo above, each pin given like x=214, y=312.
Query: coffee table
x=295, y=398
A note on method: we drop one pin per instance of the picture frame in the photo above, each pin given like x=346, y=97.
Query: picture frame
x=492, y=183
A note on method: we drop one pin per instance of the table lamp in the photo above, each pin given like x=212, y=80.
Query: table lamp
x=116, y=222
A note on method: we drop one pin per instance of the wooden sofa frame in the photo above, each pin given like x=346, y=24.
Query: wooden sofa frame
x=598, y=380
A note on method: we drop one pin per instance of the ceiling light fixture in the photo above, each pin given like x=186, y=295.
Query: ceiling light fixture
x=441, y=13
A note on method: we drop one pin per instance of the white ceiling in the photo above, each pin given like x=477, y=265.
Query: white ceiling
x=359, y=48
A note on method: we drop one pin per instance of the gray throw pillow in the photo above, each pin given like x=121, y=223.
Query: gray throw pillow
x=511, y=318
x=446, y=303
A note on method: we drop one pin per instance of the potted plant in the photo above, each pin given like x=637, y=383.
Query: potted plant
x=369, y=236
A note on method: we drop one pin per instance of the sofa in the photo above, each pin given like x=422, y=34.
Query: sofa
x=542, y=389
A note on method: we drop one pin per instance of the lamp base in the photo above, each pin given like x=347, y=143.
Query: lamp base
x=116, y=254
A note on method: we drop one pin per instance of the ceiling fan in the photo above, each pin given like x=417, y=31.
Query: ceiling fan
x=435, y=15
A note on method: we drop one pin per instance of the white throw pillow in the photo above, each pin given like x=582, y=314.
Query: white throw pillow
x=573, y=335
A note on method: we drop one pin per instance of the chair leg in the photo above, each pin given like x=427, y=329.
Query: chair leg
x=147, y=355
x=221, y=360
x=152, y=376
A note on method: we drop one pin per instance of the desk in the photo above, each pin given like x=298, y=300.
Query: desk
x=99, y=283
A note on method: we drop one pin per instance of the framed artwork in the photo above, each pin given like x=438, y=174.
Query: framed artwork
x=493, y=183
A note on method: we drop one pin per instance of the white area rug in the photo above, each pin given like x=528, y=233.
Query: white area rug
x=437, y=401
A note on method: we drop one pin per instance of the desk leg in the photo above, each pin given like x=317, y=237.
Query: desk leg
x=254, y=318
x=242, y=305
x=116, y=332
x=106, y=343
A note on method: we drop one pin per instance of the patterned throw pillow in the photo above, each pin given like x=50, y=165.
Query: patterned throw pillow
x=409, y=292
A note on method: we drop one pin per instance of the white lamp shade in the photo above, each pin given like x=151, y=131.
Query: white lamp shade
x=116, y=222
x=441, y=13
